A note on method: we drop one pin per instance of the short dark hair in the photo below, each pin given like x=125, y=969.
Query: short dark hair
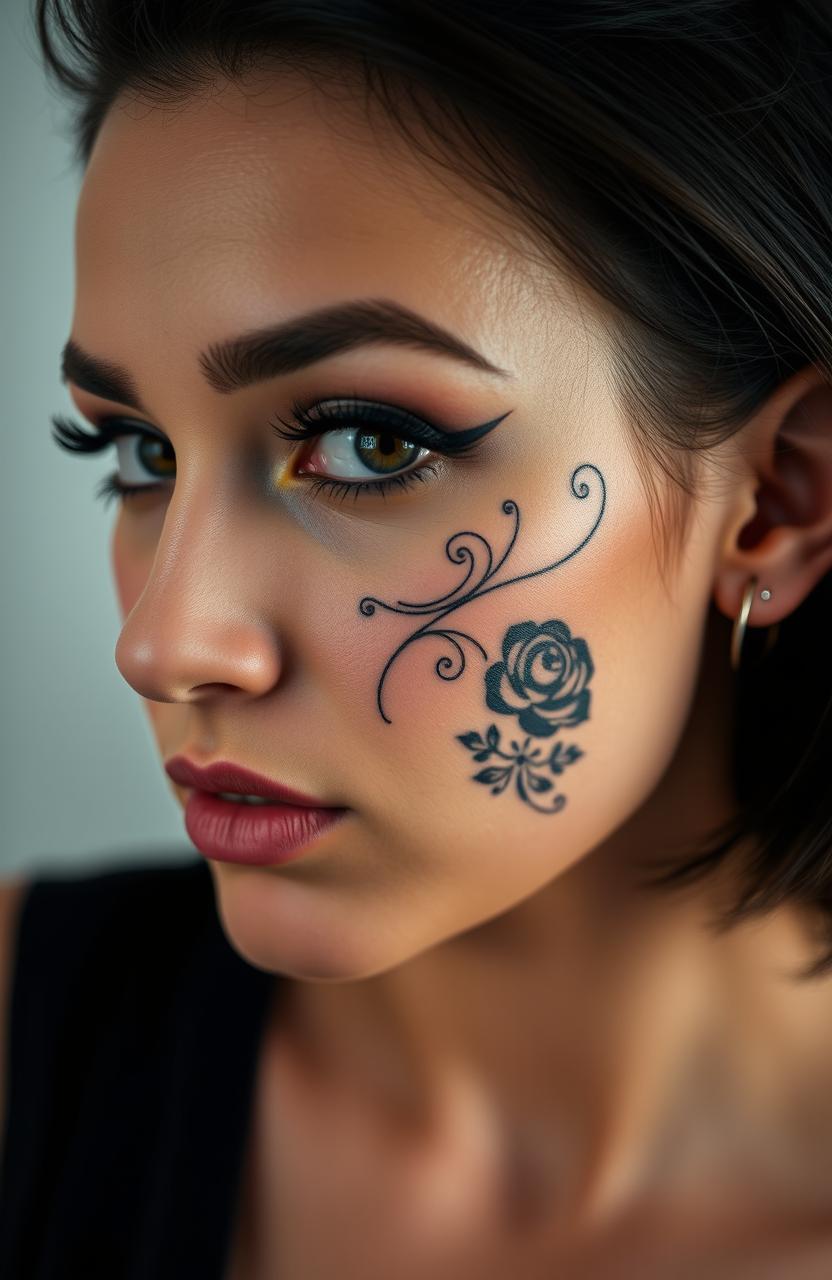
x=676, y=158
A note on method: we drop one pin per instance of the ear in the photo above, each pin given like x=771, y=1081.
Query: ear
x=779, y=526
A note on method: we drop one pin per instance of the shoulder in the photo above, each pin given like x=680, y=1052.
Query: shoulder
x=68, y=943
x=68, y=905
x=92, y=930
x=12, y=895
x=129, y=1014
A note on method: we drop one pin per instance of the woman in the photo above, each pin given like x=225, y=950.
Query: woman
x=469, y=375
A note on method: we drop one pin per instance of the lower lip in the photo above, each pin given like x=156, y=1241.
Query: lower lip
x=262, y=835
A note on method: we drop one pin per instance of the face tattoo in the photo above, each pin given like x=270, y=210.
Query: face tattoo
x=543, y=676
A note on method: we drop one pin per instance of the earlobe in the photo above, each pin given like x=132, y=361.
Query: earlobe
x=780, y=528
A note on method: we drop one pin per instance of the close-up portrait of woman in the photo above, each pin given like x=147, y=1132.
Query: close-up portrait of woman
x=466, y=373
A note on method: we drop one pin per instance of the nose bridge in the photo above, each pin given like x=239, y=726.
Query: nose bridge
x=201, y=618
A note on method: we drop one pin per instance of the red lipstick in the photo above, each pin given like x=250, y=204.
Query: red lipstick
x=233, y=831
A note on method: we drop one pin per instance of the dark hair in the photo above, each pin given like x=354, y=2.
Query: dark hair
x=674, y=156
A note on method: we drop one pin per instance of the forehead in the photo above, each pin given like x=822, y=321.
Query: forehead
x=274, y=193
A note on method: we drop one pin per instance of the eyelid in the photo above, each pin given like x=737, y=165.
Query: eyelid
x=309, y=424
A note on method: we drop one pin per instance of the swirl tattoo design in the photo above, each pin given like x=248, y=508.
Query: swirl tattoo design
x=450, y=666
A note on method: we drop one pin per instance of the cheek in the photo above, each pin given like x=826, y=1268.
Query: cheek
x=434, y=851
x=416, y=783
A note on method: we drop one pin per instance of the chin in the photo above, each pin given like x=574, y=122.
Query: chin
x=286, y=928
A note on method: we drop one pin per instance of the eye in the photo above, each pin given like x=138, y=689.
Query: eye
x=365, y=446
x=139, y=453
x=358, y=453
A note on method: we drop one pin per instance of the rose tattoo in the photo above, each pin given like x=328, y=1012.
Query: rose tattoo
x=542, y=680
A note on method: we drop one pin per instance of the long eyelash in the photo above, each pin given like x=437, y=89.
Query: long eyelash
x=399, y=422
x=69, y=435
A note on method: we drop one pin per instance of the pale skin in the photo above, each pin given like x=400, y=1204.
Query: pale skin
x=496, y=1051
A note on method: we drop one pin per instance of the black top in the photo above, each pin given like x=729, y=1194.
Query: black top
x=133, y=1041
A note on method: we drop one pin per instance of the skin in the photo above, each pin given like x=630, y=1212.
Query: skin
x=492, y=972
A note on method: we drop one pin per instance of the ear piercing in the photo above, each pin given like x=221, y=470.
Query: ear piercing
x=741, y=621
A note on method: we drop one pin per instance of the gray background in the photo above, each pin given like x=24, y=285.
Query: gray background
x=81, y=784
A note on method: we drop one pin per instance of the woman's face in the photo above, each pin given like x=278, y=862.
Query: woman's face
x=240, y=583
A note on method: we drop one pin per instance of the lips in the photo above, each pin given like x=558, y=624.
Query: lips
x=223, y=775
x=227, y=831
x=269, y=835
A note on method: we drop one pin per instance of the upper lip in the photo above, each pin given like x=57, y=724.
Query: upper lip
x=222, y=775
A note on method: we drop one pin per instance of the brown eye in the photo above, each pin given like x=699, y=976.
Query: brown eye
x=156, y=455
x=384, y=452
x=356, y=453
x=144, y=458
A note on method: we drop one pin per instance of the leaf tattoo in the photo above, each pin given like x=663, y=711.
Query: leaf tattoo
x=526, y=767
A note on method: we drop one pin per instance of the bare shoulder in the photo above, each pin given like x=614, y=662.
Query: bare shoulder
x=12, y=893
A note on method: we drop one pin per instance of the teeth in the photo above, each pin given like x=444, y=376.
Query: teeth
x=231, y=795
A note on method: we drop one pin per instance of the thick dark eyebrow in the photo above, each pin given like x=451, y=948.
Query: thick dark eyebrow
x=284, y=348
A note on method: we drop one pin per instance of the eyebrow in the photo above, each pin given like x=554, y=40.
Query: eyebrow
x=284, y=348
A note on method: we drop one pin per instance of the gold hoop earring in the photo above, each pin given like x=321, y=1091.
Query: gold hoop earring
x=741, y=622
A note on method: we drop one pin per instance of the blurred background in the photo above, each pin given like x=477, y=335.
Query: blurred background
x=81, y=786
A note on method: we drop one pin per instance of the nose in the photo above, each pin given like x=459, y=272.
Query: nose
x=202, y=623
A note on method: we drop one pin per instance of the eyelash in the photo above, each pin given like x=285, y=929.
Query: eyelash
x=304, y=426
